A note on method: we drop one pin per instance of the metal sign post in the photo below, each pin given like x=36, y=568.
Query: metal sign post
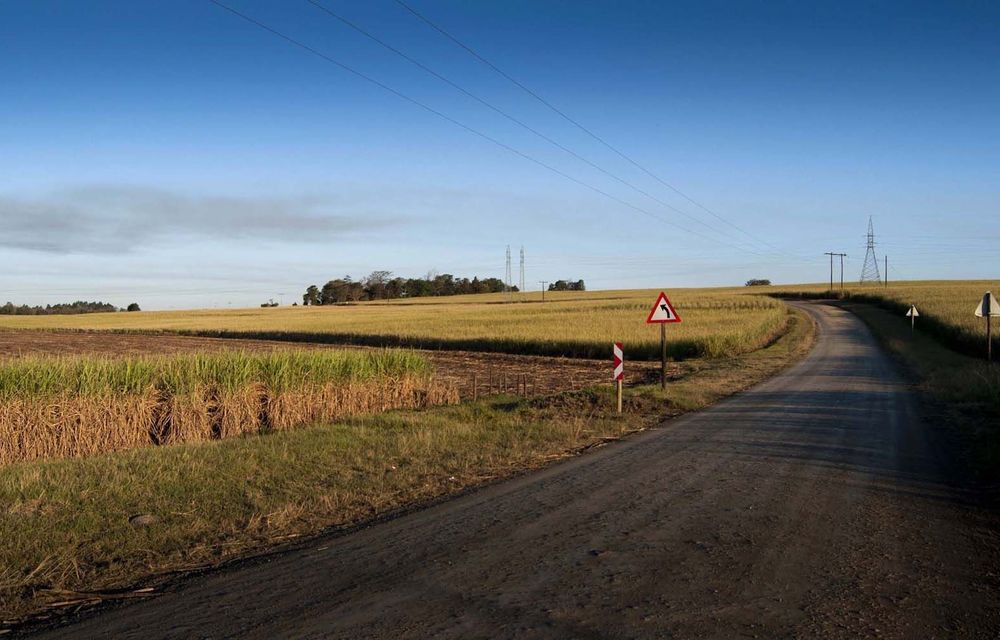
x=912, y=314
x=663, y=357
x=618, y=358
x=663, y=313
x=987, y=308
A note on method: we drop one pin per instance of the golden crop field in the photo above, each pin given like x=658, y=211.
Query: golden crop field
x=716, y=322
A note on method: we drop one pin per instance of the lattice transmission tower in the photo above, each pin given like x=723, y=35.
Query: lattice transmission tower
x=870, y=272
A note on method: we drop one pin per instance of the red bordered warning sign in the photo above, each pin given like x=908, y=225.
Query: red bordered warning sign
x=619, y=361
x=662, y=312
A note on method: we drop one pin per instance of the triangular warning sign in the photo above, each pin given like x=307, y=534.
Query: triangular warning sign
x=988, y=306
x=662, y=312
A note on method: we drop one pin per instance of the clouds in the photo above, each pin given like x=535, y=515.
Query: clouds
x=107, y=219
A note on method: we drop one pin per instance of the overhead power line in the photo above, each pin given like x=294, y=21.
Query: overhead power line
x=458, y=123
x=581, y=127
x=515, y=120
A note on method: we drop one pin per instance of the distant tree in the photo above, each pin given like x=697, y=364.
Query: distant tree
x=311, y=296
x=77, y=307
x=567, y=285
x=381, y=285
x=376, y=283
x=333, y=292
x=395, y=288
x=761, y=282
x=133, y=307
x=355, y=292
x=417, y=288
x=493, y=285
x=443, y=285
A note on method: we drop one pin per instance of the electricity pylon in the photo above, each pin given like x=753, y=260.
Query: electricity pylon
x=870, y=272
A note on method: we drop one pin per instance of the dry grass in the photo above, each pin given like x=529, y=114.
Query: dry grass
x=717, y=322
x=73, y=407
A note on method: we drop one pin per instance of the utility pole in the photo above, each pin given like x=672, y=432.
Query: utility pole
x=543, y=283
x=885, y=272
x=842, y=256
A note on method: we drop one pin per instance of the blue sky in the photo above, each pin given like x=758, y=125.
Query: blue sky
x=174, y=154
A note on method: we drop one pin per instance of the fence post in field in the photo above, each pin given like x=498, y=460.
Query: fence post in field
x=475, y=387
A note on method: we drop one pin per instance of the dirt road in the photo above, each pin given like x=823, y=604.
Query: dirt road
x=810, y=506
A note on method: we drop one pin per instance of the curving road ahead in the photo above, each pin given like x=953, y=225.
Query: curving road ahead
x=809, y=506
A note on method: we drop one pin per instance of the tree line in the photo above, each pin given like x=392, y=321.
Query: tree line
x=382, y=285
x=70, y=308
x=567, y=285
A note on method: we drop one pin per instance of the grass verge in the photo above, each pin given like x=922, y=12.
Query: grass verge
x=70, y=535
x=960, y=394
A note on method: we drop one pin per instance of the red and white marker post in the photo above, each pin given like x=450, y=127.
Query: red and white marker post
x=663, y=313
x=619, y=376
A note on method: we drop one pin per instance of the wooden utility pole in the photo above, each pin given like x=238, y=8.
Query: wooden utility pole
x=543, y=283
x=842, y=256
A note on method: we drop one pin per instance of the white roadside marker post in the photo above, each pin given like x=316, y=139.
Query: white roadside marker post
x=912, y=315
